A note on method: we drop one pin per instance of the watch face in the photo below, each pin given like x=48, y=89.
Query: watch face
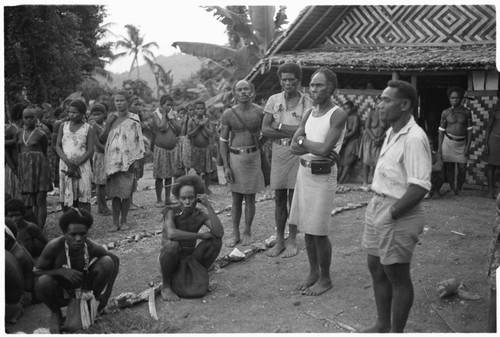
x=300, y=141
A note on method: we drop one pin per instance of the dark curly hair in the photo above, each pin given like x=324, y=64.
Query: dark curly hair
x=75, y=216
x=459, y=90
x=188, y=180
x=15, y=205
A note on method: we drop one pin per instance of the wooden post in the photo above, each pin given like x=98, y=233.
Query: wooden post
x=395, y=75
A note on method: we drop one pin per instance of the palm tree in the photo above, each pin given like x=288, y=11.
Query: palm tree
x=164, y=79
x=251, y=31
x=134, y=45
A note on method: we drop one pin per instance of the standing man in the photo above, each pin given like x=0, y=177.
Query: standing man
x=395, y=217
x=456, y=125
x=241, y=157
x=321, y=132
x=165, y=165
x=491, y=154
x=282, y=115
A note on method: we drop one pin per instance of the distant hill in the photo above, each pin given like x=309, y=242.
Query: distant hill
x=182, y=66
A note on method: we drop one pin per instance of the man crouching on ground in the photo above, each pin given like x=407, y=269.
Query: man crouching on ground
x=182, y=222
x=73, y=261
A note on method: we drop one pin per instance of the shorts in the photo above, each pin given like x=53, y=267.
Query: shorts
x=392, y=240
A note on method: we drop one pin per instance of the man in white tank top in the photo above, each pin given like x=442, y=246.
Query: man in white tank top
x=320, y=132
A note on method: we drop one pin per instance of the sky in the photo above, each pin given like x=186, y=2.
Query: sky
x=184, y=21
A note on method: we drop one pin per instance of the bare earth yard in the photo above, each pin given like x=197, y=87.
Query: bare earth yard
x=258, y=295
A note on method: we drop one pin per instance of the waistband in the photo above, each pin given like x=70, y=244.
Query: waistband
x=456, y=139
x=283, y=141
x=307, y=163
x=243, y=150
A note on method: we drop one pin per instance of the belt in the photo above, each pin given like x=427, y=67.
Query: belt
x=456, y=139
x=243, y=150
x=283, y=141
x=307, y=163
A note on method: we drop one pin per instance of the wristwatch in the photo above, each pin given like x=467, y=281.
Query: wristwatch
x=300, y=140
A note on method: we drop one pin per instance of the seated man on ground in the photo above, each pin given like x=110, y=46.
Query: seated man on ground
x=28, y=234
x=182, y=223
x=70, y=262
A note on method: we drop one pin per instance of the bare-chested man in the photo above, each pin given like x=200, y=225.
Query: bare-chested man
x=371, y=143
x=183, y=222
x=455, y=134
x=165, y=163
x=492, y=149
x=241, y=157
x=199, y=132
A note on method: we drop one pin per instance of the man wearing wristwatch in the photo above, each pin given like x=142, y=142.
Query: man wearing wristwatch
x=282, y=115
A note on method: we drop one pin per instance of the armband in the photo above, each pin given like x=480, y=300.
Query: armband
x=224, y=140
x=441, y=129
x=469, y=128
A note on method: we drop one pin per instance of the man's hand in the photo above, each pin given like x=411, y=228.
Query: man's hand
x=203, y=199
x=228, y=174
x=334, y=157
x=206, y=236
x=75, y=277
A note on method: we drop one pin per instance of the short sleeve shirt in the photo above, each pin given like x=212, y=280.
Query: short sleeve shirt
x=276, y=105
x=404, y=159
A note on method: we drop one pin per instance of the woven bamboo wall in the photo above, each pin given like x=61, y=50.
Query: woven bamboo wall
x=416, y=24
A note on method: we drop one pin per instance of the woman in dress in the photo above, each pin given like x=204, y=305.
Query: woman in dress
x=11, y=129
x=123, y=150
x=33, y=167
x=75, y=146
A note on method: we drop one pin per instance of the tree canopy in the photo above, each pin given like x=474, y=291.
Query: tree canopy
x=50, y=50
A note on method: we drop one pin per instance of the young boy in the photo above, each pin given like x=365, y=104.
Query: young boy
x=199, y=132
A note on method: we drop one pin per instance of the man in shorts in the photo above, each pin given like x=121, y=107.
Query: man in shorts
x=394, y=217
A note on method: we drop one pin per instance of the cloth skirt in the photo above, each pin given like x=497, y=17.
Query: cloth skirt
x=121, y=185
x=452, y=151
x=75, y=189
x=11, y=183
x=166, y=164
x=247, y=173
x=368, y=151
x=349, y=152
x=201, y=159
x=284, y=167
x=312, y=203
x=98, y=170
x=34, y=172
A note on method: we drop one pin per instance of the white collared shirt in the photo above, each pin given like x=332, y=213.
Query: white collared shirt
x=404, y=159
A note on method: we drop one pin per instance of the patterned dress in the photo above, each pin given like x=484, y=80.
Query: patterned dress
x=74, y=145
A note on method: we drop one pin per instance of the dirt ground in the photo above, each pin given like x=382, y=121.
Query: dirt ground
x=258, y=295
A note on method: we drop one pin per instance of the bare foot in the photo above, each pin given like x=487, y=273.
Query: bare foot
x=113, y=229
x=318, y=288
x=134, y=206
x=124, y=227
x=246, y=240
x=159, y=204
x=377, y=327
x=276, y=250
x=55, y=322
x=233, y=241
x=167, y=294
x=291, y=250
x=309, y=281
x=105, y=212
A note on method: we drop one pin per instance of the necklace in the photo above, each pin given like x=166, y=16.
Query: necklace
x=25, y=141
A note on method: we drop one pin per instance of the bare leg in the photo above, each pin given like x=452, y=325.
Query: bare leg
x=343, y=172
x=324, y=256
x=49, y=292
x=102, y=207
x=492, y=313
x=158, y=189
x=313, y=264
x=291, y=242
x=490, y=176
x=169, y=260
x=449, y=170
x=168, y=187
x=206, y=178
x=249, y=215
x=41, y=203
x=402, y=294
x=124, y=213
x=236, y=217
x=383, y=296
x=116, y=205
x=102, y=273
x=207, y=251
x=460, y=177
x=280, y=216
x=366, y=173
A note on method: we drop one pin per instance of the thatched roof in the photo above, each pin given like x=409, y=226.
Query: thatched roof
x=391, y=58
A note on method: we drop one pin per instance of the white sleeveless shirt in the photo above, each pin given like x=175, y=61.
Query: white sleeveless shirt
x=316, y=129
